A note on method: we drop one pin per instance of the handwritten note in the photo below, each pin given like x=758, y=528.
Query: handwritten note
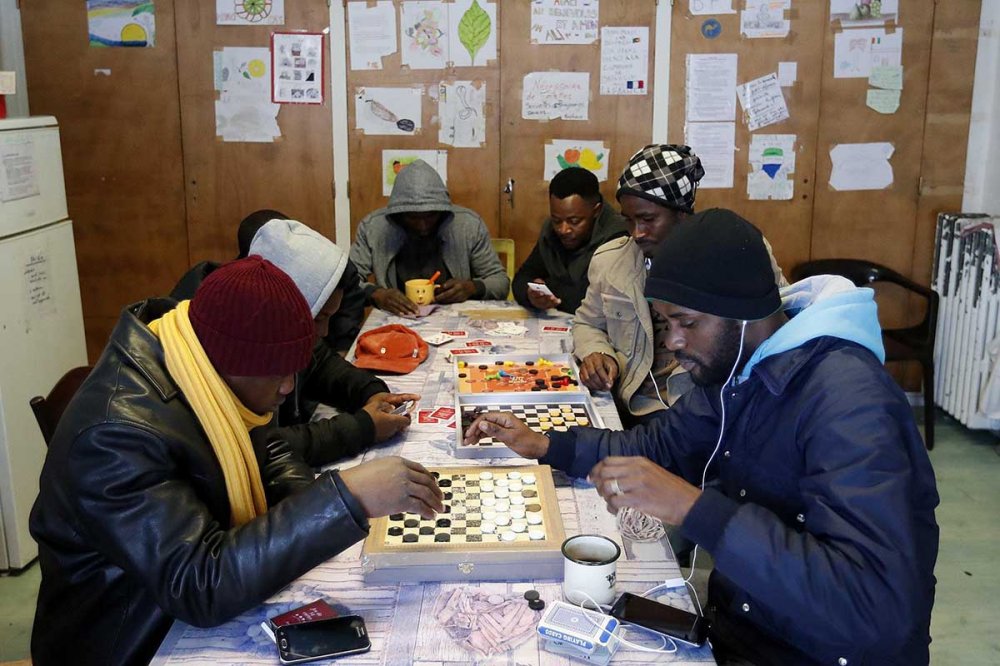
x=564, y=21
x=36, y=275
x=624, y=61
x=763, y=102
x=551, y=95
x=888, y=77
x=883, y=101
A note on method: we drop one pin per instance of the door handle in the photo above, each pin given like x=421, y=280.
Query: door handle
x=509, y=191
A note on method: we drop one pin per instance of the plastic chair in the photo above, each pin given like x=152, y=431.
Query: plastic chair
x=505, y=247
x=49, y=410
x=914, y=343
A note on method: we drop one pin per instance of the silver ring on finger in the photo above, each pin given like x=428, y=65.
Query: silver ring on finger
x=615, y=488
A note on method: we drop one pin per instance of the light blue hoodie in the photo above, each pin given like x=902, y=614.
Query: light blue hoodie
x=819, y=306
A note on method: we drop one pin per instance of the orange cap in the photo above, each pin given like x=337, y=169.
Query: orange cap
x=392, y=348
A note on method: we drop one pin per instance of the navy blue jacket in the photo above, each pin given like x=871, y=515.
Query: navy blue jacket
x=822, y=524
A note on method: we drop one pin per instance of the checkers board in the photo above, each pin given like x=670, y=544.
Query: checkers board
x=542, y=413
x=498, y=522
x=518, y=373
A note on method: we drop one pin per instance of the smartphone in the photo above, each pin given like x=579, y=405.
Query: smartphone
x=333, y=637
x=403, y=408
x=673, y=622
x=540, y=288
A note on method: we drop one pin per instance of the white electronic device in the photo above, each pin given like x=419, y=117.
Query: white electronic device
x=582, y=632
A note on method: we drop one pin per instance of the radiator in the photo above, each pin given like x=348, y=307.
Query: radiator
x=967, y=280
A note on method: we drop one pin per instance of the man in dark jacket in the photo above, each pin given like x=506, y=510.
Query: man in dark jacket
x=153, y=504
x=320, y=270
x=579, y=222
x=344, y=328
x=822, y=522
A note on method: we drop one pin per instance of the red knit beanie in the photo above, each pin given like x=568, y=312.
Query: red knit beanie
x=252, y=320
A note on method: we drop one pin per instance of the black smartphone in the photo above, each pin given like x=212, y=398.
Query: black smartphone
x=673, y=622
x=323, y=639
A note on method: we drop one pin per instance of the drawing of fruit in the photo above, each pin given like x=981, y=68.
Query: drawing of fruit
x=589, y=160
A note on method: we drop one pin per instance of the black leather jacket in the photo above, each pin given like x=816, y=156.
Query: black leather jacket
x=133, y=521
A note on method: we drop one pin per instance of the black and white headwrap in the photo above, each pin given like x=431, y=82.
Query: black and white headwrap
x=665, y=174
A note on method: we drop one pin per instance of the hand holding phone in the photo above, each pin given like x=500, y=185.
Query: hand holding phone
x=541, y=288
x=674, y=622
x=334, y=637
x=403, y=408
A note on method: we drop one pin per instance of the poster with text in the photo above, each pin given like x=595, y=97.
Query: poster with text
x=562, y=22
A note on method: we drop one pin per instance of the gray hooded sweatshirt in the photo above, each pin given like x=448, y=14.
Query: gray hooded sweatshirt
x=466, y=247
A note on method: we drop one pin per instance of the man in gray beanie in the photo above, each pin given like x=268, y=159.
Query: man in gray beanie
x=320, y=269
x=795, y=460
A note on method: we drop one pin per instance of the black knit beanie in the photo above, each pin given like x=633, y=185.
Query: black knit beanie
x=717, y=263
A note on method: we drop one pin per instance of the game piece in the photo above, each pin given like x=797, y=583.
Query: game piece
x=468, y=540
x=536, y=604
x=513, y=374
x=532, y=595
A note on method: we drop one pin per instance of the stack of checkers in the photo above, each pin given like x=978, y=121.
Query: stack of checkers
x=539, y=417
x=479, y=507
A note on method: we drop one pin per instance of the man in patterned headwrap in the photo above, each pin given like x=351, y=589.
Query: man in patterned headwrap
x=618, y=338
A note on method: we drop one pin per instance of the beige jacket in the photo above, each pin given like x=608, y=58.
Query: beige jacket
x=614, y=319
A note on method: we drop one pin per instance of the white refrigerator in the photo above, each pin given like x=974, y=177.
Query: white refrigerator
x=41, y=321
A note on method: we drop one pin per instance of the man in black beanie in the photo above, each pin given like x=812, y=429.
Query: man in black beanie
x=821, y=523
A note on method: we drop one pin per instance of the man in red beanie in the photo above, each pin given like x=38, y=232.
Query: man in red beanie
x=153, y=503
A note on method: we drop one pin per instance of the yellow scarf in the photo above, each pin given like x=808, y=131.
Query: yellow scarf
x=221, y=414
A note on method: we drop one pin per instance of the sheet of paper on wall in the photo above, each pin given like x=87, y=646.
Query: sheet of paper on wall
x=624, y=61
x=121, y=23
x=460, y=113
x=562, y=22
x=250, y=12
x=715, y=145
x=299, y=71
x=788, y=73
x=392, y=111
x=763, y=102
x=710, y=87
x=472, y=33
x=772, y=162
x=861, y=166
x=371, y=33
x=883, y=101
x=858, y=13
x=36, y=277
x=705, y=7
x=887, y=77
x=394, y=161
x=18, y=170
x=765, y=18
x=243, y=70
x=246, y=120
x=8, y=83
x=856, y=52
x=568, y=154
x=423, y=33
x=551, y=95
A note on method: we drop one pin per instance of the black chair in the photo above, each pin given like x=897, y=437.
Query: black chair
x=914, y=343
x=49, y=409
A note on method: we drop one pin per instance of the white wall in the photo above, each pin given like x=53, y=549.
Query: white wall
x=12, y=56
x=982, y=167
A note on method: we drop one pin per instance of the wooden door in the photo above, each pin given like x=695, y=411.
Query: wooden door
x=227, y=180
x=121, y=141
x=623, y=123
x=472, y=173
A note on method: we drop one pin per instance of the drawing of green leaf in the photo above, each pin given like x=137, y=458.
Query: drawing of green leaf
x=474, y=29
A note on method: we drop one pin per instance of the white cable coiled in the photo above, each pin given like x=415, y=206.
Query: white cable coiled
x=635, y=525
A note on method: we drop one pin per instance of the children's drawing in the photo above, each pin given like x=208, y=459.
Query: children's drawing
x=474, y=29
x=568, y=154
x=249, y=12
x=426, y=34
x=121, y=23
x=394, y=161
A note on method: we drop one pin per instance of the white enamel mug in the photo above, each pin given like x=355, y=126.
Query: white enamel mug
x=590, y=562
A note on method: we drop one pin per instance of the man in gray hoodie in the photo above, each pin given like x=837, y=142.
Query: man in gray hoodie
x=420, y=233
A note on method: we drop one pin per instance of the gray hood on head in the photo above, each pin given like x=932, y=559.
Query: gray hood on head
x=418, y=189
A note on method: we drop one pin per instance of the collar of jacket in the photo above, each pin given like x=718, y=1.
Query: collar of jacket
x=775, y=372
x=135, y=342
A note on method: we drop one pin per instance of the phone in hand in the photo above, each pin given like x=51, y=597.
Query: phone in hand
x=540, y=288
x=333, y=637
x=403, y=408
x=668, y=620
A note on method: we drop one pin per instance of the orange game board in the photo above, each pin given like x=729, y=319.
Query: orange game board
x=497, y=375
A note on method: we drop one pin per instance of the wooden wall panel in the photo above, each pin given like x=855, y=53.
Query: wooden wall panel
x=227, y=180
x=623, y=123
x=121, y=148
x=786, y=224
x=473, y=173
